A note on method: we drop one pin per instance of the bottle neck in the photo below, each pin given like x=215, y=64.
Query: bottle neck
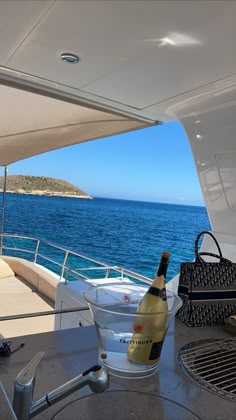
x=162, y=269
x=158, y=287
x=159, y=282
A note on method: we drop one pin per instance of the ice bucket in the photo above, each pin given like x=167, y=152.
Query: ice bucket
x=119, y=328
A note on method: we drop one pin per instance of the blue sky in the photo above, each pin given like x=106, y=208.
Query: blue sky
x=152, y=164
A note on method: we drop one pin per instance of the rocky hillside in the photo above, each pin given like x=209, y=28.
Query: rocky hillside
x=41, y=185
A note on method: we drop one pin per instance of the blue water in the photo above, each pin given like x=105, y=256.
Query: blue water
x=126, y=233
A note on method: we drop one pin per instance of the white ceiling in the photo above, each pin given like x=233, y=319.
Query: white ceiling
x=119, y=42
x=17, y=20
x=143, y=61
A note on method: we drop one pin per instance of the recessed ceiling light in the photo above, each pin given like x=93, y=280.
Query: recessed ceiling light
x=70, y=58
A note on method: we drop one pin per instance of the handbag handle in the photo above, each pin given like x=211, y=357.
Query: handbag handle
x=196, y=246
x=223, y=260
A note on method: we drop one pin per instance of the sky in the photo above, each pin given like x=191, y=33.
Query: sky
x=152, y=164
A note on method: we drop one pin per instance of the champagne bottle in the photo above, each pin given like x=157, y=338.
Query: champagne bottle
x=150, y=330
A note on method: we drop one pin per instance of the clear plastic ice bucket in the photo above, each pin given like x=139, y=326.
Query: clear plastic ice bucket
x=114, y=309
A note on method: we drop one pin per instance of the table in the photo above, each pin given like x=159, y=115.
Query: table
x=70, y=352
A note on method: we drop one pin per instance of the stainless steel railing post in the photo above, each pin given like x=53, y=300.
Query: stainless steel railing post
x=36, y=251
x=64, y=265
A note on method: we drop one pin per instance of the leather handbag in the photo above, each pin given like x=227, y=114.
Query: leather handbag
x=208, y=289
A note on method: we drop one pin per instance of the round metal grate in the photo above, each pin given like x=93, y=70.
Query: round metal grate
x=212, y=364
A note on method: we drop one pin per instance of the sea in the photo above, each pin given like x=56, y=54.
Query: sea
x=131, y=234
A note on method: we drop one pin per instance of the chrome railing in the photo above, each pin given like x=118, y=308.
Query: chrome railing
x=70, y=266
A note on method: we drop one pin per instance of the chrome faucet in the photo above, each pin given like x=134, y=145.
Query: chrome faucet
x=24, y=406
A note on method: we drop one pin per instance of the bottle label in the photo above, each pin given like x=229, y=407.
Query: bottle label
x=155, y=291
x=156, y=350
x=143, y=349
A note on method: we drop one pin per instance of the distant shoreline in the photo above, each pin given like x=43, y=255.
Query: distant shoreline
x=50, y=193
x=42, y=186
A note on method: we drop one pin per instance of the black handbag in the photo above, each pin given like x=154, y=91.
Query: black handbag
x=208, y=289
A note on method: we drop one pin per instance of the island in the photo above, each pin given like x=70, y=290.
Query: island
x=42, y=185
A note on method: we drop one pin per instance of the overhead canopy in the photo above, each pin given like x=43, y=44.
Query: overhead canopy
x=31, y=124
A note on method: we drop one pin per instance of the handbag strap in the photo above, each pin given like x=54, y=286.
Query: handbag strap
x=196, y=247
x=223, y=260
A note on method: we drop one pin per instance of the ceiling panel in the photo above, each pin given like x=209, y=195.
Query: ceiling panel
x=90, y=29
x=17, y=20
x=187, y=59
x=123, y=55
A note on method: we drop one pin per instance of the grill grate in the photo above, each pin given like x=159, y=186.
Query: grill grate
x=212, y=364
